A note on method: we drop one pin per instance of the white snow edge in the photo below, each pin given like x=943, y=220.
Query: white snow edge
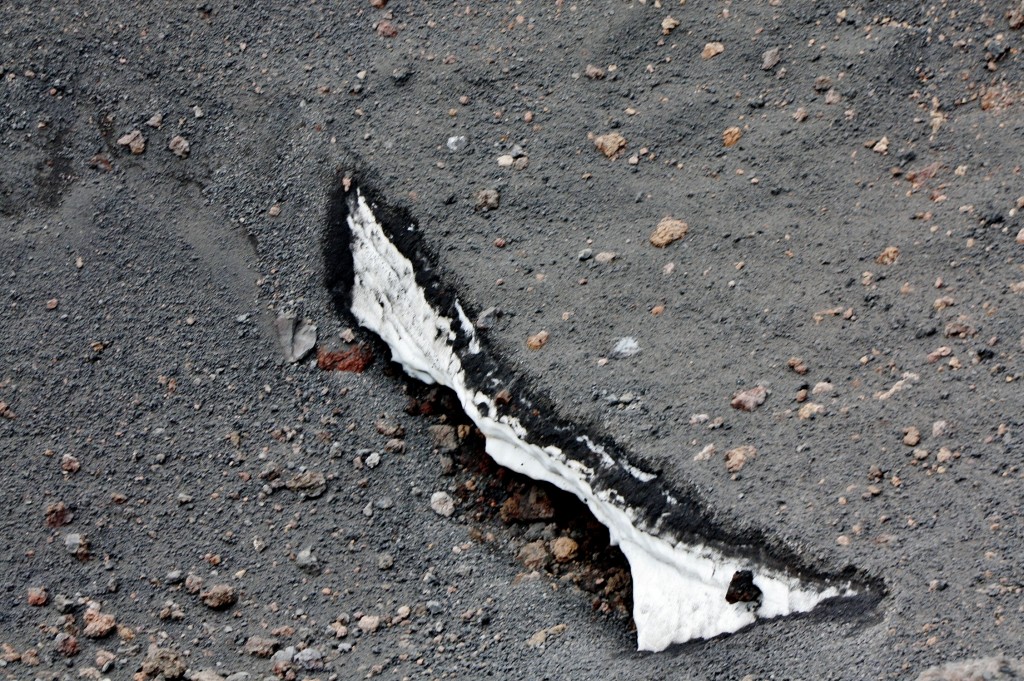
x=678, y=589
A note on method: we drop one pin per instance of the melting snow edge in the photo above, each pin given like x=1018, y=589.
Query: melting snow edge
x=678, y=589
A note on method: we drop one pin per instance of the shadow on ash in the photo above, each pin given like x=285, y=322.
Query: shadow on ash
x=693, y=577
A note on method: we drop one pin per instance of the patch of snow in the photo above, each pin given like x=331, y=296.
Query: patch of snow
x=678, y=589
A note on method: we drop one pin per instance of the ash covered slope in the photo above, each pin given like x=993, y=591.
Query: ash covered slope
x=690, y=579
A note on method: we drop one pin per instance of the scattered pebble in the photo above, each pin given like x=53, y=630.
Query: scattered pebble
x=260, y=646
x=705, y=453
x=297, y=338
x=37, y=596
x=594, y=72
x=667, y=231
x=457, y=143
x=163, y=662
x=668, y=24
x=749, y=399
x=69, y=463
x=888, y=256
x=487, y=199
x=797, y=365
x=305, y=560
x=712, y=50
x=537, y=340
x=368, y=624
x=541, y=637
x=610, y=144
x=564, y=549
x=179, y=145
x=534, y=555
x=911, y=436
x=98, y=624
x=219, y=596
x=134, y=140
x=810, y=410
x=731, y=136
x=770, y=58
x=737, y=457
x=604, y=257
x=156, y=120
x=442, y=503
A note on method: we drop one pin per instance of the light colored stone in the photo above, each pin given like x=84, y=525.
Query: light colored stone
x=667, y=231
x=442, y=503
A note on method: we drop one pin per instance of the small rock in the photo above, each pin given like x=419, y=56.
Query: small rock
x=542, y=636
x=259, y=646
x=731, y=136
x=193, y=583
x=712, y=50
x=667, y=231
x=770, y=58
x=372, y=460
x=134, y=141
x=37, y=596
x=881, y=146
x=69, y=463
x=537, y=340
x=179, y=145
x=442, y=503
x=506, y=161
x=705, y=453
x=736, y=458
x=810, y=410
x=457, y=143
x=604, y=257
x=594, y=72
x=529, y=506
x=797, y=365
x=368, y=624
x=156, y=120
x=385, y=561
x=66, y=644
x=749, y=399
x=668, y=24
x=625, y=347
x=219, y=596
x=488, y=199
x=309, y=484
x=77, y=545
x=309, y=658
x=98, y=624
x=443, y=437
x=564, y=549
x=911, y=436
x=306, y=560
x=163, y=662
x=297, y=338
x=58, y=515
x=274, y=210
x=534, y=555
x=610, y=144
x=888, y=256
x=585, y=254
x=487, y=318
